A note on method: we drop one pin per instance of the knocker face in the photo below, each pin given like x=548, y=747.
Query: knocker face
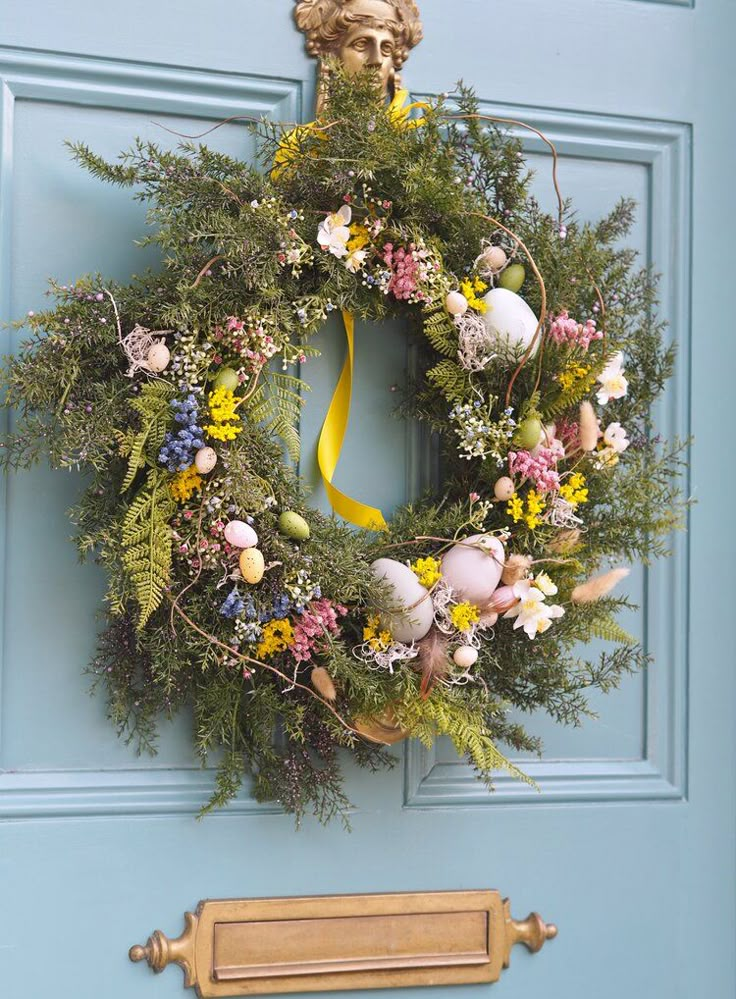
x=370, y=41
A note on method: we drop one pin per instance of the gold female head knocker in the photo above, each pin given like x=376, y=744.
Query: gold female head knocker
x=375, y=34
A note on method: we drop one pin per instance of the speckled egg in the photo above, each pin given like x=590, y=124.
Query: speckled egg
x=411, y=613
x=240, y=535
x=293, y=526
x=252, y=565
x=473, y=569
x=158, y=357
x=205, y=460
x=504, y=489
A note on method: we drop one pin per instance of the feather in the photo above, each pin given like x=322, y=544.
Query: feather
x=597, y=587
x=589, y=429
x=515, y=569
x=433, y=660
x=322, y=683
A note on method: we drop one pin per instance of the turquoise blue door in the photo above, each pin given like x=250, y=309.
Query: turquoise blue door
x=629, y=848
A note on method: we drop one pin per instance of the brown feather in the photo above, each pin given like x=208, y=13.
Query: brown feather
x=433, y=660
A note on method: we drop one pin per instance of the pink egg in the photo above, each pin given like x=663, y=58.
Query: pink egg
x=504, y=599
x=473, y=569
x=240, y=535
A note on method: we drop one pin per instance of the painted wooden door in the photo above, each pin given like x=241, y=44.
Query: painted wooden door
x=629, y=847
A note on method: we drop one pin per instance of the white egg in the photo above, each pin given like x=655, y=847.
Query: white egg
x=465, y=657
x=409, y=596
x=473, y=569
x=240, y=535
x=494, y=258
x=205, y=460
x=456, y=303
x=158, y=357
x=509, y=320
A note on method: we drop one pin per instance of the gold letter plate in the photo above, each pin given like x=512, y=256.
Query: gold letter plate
x=244, y=947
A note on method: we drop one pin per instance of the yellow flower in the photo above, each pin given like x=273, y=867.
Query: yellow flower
x=574, y=490
x=515, y=508
x=185, y=484
x=225, y=424
x=360, y=237
x=277, y=636
x=471, y=288
x=535, y=504
x=427, y=570
x=378, y=639
x=569, y=378
x=464, y=616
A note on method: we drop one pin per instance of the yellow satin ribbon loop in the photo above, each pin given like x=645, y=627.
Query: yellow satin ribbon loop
x=399, y=110
x=331, y=439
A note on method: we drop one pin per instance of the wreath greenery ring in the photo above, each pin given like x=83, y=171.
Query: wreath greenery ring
x=177, y=394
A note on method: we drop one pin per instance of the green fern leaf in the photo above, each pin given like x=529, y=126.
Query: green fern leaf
x=147, y=543
x=608, y=628
x=441, y=332
x=450, y=379
x=152, y=407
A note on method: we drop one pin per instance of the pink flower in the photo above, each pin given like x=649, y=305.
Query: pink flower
x=565, y=330
x=541, y=467
x=319, y=619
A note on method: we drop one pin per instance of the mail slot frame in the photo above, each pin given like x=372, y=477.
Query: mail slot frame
x=195, y=950
x=439, y=969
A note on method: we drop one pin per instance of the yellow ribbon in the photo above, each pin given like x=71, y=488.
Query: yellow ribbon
x=335, y=426
x=399, y=110
x=331, y=439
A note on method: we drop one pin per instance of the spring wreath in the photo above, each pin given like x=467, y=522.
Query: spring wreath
x=293, y=634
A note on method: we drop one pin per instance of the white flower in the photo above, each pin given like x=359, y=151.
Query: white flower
x=615, y=437
x=613, y=381
x=616, y=443
x=355, y=260
x=333, y=233
x=545, y=584
x=532, y=613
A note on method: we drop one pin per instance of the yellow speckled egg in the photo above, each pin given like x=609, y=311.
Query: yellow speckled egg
x=252, y=565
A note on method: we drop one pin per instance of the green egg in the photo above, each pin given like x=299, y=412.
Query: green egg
x=512, y=278
x=228, y=379
x=528, y=433
x=293, y=526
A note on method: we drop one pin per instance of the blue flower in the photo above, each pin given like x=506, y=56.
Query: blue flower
x=233, y=605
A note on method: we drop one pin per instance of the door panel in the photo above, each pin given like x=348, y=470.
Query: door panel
x=629, y=847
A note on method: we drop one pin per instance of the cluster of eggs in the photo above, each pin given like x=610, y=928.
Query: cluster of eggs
x=473, y=568
x=509, y=321
x=251, y=561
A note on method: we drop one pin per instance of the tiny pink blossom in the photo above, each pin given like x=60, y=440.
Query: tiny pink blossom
x=564, y=330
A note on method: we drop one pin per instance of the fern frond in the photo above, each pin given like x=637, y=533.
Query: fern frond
x=147, y=543
x=441, y=331
x=608, y=628
x=450, y=379
x=442, y=715
x=152, y=407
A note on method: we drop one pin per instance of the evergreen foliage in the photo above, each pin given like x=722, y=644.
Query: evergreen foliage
x=244, y=284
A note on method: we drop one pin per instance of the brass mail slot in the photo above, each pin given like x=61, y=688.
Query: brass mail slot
x=244, y=947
